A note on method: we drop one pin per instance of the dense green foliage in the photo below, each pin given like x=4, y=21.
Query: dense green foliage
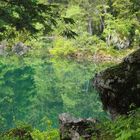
x=30, y=18
x=123, y=128
x=25, y=16
x=56, y=74
x=100, y=25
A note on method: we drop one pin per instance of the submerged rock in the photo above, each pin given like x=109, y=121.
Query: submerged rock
x=119, y=86
x=75, y=129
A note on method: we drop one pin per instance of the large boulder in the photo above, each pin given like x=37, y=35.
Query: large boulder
x=75, y=129
x=119, y=86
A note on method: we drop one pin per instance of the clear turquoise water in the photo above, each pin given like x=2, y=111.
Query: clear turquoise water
x=36, y=90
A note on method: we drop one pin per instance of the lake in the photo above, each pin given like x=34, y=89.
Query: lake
x=35, y=90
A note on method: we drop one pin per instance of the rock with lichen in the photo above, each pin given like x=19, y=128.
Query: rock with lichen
x=119, y=86
x=3, y=48
x=20, y=48
x=75, y=129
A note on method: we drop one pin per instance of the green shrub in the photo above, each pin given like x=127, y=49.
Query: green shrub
x=123, y=128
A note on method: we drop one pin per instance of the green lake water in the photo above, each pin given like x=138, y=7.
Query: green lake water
x=36, y=90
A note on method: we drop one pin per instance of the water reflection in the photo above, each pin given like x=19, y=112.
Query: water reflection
x=37, y=91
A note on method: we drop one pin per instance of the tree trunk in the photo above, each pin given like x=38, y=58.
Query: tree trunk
x=90, y=26
x=101, y=24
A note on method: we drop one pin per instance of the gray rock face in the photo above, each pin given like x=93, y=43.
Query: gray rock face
x=119, y=86
x=20, y=49
x=3, y=49
x=117, y=41
x=74, y=129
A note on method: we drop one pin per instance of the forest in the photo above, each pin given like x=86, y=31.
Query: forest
x=78, y=57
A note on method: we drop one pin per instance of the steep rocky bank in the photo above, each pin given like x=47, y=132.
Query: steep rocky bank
x=119, y=90
x=119, y=86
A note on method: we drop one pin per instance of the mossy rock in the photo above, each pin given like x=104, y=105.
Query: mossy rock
x=21, y=133
x=119, y=86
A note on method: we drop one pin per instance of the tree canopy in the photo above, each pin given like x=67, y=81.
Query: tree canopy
x=32, y=16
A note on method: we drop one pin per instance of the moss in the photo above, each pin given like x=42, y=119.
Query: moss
x=117, y=85
x=21, y=133
x=117, y=70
